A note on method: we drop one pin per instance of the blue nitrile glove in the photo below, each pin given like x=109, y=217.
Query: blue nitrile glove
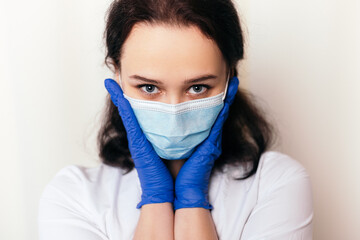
x=192, y=181
x=156, y=181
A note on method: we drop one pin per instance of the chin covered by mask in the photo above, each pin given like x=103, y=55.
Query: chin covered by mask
x=174, y=130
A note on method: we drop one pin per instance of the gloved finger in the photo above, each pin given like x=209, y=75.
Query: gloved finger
x=232, y=89
x=229, y=99
x=230, y=96
x=136, y=137
x=114, y=89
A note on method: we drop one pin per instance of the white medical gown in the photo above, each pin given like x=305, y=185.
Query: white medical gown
x=99, y=203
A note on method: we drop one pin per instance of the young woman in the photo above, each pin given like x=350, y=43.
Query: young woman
x=185, y=151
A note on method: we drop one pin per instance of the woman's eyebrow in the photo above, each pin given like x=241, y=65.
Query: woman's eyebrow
x=192, y=80
x=199, y=79
x=145, y=79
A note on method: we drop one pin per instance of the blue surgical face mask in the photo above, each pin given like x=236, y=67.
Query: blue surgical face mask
x=174, y=130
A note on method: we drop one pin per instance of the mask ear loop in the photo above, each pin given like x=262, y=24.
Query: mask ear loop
x=226, y=86
x=120, y=80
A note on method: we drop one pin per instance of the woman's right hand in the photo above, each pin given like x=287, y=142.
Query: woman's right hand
x=156, y=181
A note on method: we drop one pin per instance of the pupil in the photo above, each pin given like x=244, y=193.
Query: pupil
x=150, y=88
x=197, y=88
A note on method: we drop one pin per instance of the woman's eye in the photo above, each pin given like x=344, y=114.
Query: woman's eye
x=149, y=89
x=197, y=89
x=152, y=89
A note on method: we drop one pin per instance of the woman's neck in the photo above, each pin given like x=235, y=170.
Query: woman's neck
x=174, y=166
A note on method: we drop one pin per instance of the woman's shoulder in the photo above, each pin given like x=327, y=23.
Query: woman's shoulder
x=280, y=165
x=277, y=170
x=272, y=164
x=79, y=188
x=83, y=196
x=275, y=201
x=79, y=176
x=279, y=160
x=76, y=178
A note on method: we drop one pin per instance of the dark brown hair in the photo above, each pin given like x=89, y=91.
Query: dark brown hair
x=246, y=132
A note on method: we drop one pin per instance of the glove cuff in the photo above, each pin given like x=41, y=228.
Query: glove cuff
x=157, y=198
x=204, y=204
x=190, y=204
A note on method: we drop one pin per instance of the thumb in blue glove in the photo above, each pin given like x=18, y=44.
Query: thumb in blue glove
x=155, y=179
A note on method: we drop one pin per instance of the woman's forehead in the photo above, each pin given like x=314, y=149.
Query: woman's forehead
x=156, y=47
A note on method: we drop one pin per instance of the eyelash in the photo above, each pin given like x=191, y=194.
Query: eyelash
x=147, y=93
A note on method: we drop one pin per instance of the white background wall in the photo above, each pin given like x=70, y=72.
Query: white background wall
x=52, y=93
x=303, y=62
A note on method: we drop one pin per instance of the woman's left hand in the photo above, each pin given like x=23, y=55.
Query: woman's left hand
x=192, y=181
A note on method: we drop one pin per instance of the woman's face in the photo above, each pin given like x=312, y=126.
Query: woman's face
x=171, y=65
